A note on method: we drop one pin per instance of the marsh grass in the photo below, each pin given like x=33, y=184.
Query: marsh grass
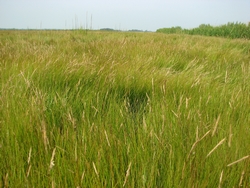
x=123, y=110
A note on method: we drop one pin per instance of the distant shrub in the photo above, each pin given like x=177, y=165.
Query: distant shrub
x=171, y=30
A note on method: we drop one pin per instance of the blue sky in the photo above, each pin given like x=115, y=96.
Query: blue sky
x=120, y=14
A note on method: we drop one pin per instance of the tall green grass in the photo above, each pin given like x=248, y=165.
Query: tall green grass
x=123, y=110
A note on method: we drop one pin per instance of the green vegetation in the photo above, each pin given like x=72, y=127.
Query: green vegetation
x=108, y=109
x=230, y=30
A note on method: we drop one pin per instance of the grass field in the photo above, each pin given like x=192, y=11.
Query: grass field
x=119, y=109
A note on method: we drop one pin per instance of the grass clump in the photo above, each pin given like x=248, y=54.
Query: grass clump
x=123, y=110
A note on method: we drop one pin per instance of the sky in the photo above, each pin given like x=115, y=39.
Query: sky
x=147, y=15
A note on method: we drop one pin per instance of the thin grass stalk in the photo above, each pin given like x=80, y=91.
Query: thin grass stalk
x=235, y=162
x=221, y=142
x=127, y=174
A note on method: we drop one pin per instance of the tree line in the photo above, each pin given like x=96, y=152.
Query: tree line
x=229, y=30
